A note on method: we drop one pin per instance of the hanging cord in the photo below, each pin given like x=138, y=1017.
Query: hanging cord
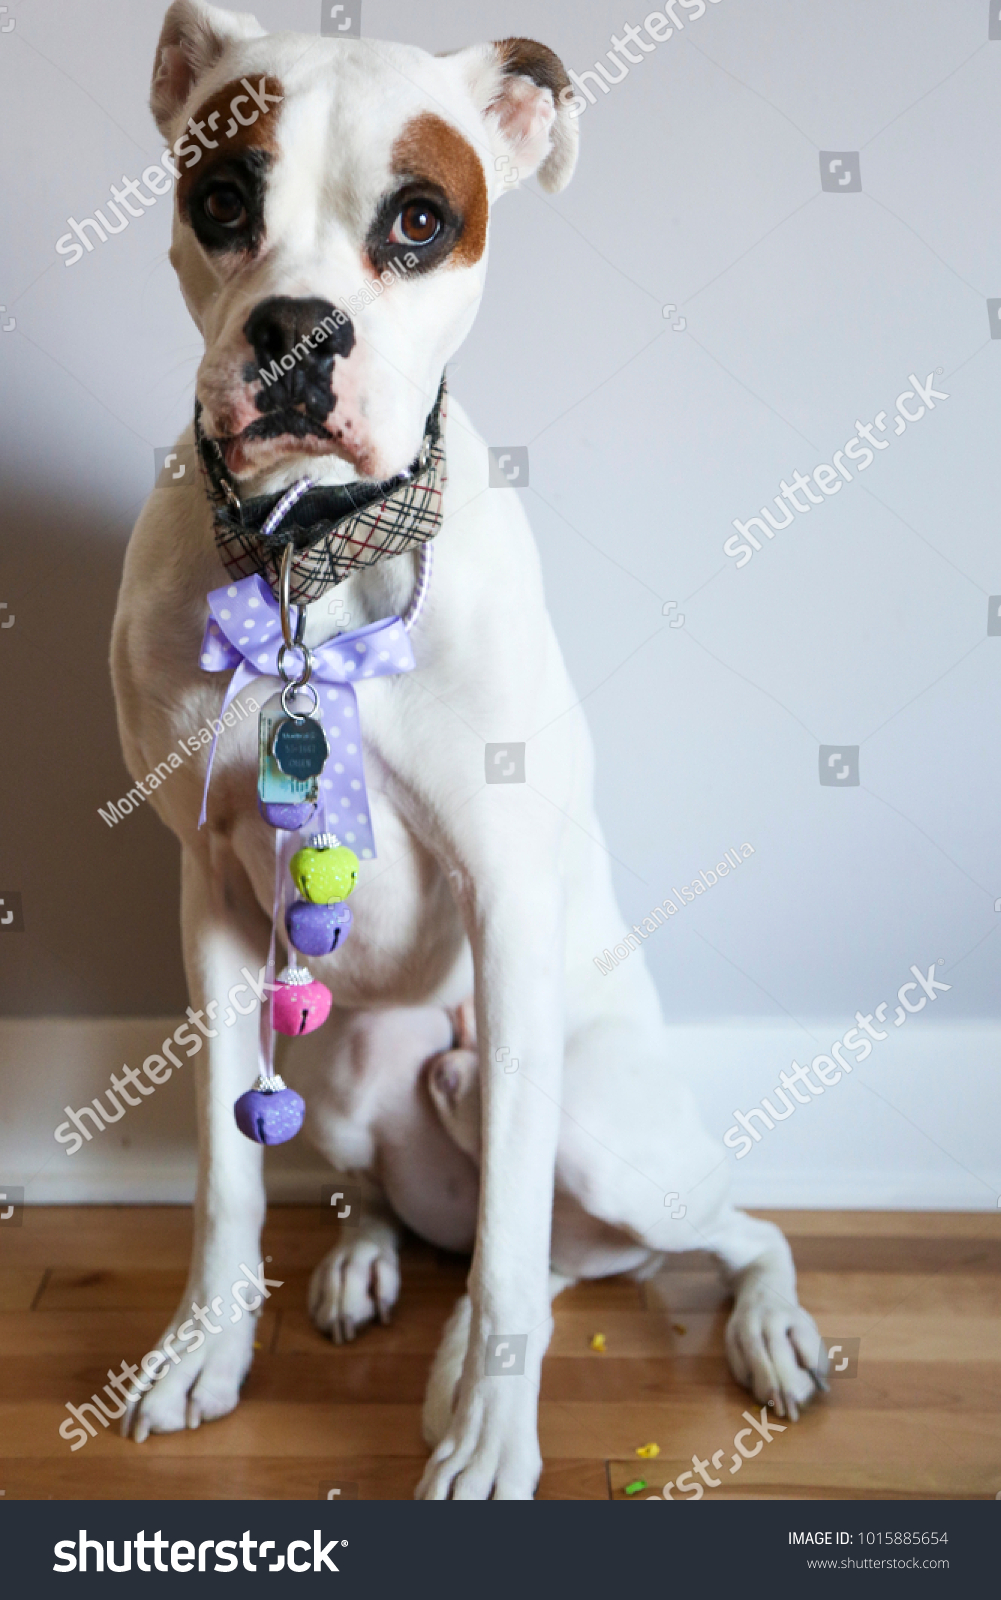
x=266, y=1037
x=425, y=562
x=285, y=505
x=285, y=847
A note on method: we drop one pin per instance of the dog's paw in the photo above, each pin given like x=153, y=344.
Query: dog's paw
x=201, y=1386
x=775, y=1350
x=490, y=1450
x=357, y=1282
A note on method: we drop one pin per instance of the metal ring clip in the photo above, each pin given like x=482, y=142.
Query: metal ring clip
x=302, y=677
x=294, y=689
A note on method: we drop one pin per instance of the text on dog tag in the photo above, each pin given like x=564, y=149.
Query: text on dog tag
x=300, y=747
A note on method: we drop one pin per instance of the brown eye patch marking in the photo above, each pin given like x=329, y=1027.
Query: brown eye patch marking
x=232, y=135
x=432, y=151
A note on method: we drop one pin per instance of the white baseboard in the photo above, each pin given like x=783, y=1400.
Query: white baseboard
x=810, y=1190
x=128, y=1184
x=912, y=1129
x=149, y=1157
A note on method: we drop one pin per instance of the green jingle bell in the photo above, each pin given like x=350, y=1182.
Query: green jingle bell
x=325, y=870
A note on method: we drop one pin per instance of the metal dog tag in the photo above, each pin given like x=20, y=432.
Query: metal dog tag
x=273, y=785
x=300, y=748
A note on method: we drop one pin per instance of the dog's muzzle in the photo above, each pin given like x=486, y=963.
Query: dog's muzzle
x=294, y=343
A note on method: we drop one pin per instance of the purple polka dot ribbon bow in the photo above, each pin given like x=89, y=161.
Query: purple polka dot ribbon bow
x=244, y=633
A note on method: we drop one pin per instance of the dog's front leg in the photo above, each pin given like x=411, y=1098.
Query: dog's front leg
x=209, y=1343
x=514, y=914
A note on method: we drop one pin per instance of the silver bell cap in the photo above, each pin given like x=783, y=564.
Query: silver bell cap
x=295, y=975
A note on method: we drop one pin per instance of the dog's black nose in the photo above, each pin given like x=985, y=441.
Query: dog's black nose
x=295, y=342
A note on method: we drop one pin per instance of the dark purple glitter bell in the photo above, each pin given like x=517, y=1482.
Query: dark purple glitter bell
x=317, y=930
x=269, y=1113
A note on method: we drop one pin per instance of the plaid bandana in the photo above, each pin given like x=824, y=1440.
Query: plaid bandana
x=336, y=528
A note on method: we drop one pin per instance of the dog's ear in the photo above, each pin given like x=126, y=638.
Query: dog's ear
x=193, y=38
x=521, y=88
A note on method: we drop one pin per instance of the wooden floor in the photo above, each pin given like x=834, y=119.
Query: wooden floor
x=82, y=1289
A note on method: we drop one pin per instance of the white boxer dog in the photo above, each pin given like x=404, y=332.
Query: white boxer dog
x=538, y=1124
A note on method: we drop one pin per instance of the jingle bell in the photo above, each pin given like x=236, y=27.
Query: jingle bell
x=269, y=1113
x=286, y=815
x=325, y=870
x=299, y=1003
x=317, y=930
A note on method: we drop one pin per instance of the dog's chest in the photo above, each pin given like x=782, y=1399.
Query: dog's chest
x=406, y=940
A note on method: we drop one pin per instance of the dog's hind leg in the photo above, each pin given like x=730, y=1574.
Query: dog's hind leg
x=439, y=1400
x=371, y=1116
x=636, y=1163
x=208, y=1347
x=772, y=1344
x=446, y=1371
x=358, y=1280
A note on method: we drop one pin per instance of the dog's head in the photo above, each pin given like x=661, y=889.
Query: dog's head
x=331, y=221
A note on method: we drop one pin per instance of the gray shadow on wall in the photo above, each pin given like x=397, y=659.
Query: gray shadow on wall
x=99, y=905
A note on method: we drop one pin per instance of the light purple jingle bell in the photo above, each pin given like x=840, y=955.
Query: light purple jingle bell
x=269, y=1113
x=290, y=818
x=317, y=930
x=299, y=1002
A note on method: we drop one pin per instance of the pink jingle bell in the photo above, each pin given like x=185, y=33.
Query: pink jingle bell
x=299, y=1003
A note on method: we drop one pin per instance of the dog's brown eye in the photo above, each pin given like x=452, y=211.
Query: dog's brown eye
x=417, y=223
x=225, y=206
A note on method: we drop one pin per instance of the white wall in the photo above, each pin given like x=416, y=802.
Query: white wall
x=865, y=622
x=912, y=1130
